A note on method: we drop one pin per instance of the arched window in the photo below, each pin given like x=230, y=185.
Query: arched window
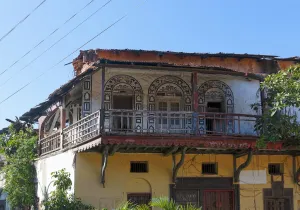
x=122, y=95
x=167, y=96
x=215, y=96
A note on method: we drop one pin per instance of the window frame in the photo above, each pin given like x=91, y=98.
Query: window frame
x=215, y=167
x=281, y=169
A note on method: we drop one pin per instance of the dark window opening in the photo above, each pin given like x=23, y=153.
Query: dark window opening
x=139, y=198
x=209, y=168
x=122, y=119
x=275, y=169
x=214, y=107
x=138, y=167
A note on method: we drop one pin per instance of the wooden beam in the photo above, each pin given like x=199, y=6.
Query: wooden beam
x=170, y=151
x=179, y=164
x=55, y=118
x=195, y=91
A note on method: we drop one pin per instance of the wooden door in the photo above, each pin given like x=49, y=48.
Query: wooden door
x=218, y=200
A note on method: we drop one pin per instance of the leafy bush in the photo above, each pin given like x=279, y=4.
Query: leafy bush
x=59, y=198
x=282, y=93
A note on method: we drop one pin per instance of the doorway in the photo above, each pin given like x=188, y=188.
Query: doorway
x=218, y=200
x=169, y=116
x=215, y=123
x=122, y=116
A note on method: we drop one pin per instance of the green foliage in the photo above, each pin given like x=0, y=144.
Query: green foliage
x=283, y=89
x=59, y=198
x=18, y=146
x=283, y=93
x=161, y=203
x=164, y=203
x=278, y=127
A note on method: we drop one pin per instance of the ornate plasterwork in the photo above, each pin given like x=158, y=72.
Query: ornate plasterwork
x=167, y=84
x=125, y=83
x=87, y=96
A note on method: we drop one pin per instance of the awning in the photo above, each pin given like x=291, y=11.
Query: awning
x=89, y=145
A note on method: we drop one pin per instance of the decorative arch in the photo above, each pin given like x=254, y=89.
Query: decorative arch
x=164, y=86
x=219, y=91
x=176, y=84
x=138, y=185
x=126, y=83
x=214, y=86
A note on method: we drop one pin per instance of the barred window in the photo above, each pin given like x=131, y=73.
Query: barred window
x=139, y=167
x=275, y=168
x=209, y=168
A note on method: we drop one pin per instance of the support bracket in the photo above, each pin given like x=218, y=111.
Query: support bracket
x=243, y=165
x=114, y=149
x=171, y=151
x=179, y=164
x=104, y=164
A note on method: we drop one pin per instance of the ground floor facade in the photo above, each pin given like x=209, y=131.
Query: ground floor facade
x=206, y=180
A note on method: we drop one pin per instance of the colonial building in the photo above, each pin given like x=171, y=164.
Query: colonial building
x=133, y=125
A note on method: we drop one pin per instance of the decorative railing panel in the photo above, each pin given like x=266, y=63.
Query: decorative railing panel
x=82, y=131
x=147, y=122
x=131, y=122
x=186, y=123
x=51, y=143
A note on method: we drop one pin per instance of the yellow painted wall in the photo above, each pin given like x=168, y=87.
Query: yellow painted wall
x=252, y=195
x=119, y=180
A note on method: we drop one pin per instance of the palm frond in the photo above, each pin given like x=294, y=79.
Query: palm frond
x=142, y=207
x=163, y=203
x=126, y=206
x=188, y=207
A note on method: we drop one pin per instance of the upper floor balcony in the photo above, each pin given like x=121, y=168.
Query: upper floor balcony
x=164, y=96
x=179, y=124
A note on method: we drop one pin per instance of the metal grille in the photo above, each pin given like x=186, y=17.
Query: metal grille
x=209, y=168
x=138, y=167
x=139, y=198
x=275, y=169
x=275, y=204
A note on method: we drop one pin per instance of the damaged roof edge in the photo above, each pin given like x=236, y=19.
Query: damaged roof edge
x=34, y=113
x=219, y=54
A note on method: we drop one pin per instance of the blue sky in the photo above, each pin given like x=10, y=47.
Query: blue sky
x=235, y=26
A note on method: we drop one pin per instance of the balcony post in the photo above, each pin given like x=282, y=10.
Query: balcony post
x=62, y=122
x=195, y=102
x=102, y=110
